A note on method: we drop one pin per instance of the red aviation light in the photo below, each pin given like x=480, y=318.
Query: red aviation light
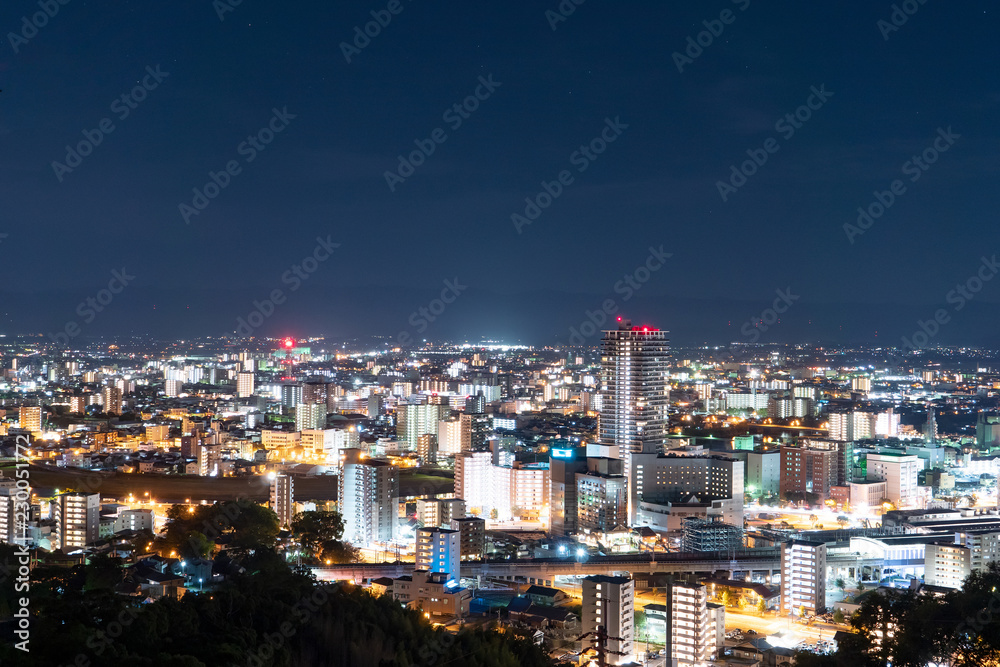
x=289, y=342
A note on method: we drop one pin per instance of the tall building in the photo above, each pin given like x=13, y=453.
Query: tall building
x=609, y=603
x=930, y=429
x=686, y=624
x=368, y=492
x=635, y=394
x=112, y=399
x=427, y=448
x=30, y=418
x=310, y=416
x=439, y=550
x=474, y=428
x=601, y=496
x=472, y=537
x=172, y=388
x=291, y=394
x=987, y=430
x=564, y=466
x=473, y=480
x=450, y=436
x=413, y=421
x=764, y=473
x=244, y=384
x=315, y=391
x=899, y=472
x=77, y=517
x=805, y=470
x=11, y=531
x=439, y=511
x=283, y=498
x=803, y=577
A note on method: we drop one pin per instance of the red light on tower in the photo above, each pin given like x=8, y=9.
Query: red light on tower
x=289, y=342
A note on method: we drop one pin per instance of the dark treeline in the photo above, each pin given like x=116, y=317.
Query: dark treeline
x=908, y=629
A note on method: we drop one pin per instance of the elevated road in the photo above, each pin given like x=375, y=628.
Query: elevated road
x=545, y=570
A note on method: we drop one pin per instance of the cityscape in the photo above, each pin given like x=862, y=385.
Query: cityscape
x=387, y=333
x=631, y=503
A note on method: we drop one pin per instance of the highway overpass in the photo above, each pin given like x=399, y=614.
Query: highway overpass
x=761, y=562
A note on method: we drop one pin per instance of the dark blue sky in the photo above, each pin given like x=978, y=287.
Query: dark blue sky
x=655, y=185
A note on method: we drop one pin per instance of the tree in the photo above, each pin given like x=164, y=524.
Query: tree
x=813, y=519
x=838, y=616
x=494, y=514
x=314, y=529
x=761, y=606
x=335, y=551
x=726, y=598
x=841, y=584
x=843, y=521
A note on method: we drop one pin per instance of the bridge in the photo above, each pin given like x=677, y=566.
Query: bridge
x=543, y=571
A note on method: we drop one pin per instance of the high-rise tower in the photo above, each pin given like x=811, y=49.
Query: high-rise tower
x=635, y=394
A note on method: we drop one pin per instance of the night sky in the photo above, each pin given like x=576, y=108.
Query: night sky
x=323, y=175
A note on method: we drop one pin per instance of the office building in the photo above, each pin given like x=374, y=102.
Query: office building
x=803, y=577
x=172, y=388
x=439, y=511
x=439, y=550
x=283, y=498
x=564, y=465
x=808, y=471
x=662, y=483
x=609, y=603
x=899, y=472
x=763, y=473
x=472, y=537
x=315, y=392
x=368, y=492
x=244, y=384
x=77, y=517
x=601, y=496
x=845, y=455
x=635, y=395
